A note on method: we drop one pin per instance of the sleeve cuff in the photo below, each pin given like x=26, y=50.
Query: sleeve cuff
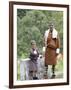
x=57, y=50
x=43, y=49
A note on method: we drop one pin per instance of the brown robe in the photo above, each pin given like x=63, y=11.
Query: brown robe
x=50, y=52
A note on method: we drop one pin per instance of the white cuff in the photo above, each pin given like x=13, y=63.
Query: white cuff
x=43, y=49
x=57, y=50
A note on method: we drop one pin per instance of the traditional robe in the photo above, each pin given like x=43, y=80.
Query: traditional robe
x=52, y=47
x=33, y=59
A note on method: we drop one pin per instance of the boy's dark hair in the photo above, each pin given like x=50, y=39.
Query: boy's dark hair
x=33, y=42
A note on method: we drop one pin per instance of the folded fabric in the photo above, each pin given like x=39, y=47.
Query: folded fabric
x=54, y=34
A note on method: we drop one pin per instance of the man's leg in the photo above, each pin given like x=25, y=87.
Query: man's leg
x=53, y=71
x=46, y=67
x=45, y=73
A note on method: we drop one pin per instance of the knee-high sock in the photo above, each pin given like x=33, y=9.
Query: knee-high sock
x=46, y=69
x=53, y=69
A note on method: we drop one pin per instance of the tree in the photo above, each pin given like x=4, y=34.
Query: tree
x=31, y=24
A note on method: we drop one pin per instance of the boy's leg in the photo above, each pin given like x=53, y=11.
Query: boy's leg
x=35, y=75
x=30, y=75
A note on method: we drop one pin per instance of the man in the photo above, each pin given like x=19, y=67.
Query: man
x=52, y=45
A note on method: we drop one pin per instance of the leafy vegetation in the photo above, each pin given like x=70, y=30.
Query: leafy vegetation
x=31, y=24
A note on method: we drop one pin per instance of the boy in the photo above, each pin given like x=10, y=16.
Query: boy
x=33, y=61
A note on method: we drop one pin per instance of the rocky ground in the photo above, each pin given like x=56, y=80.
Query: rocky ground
x=41, y=69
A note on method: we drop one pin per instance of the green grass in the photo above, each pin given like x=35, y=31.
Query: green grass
x=18, y=71
x=59, y=66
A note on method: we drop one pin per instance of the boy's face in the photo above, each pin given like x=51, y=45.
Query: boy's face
x=34, y=46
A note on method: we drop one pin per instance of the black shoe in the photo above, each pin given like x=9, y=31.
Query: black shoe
x=35, y=78
x=53, y=76
x=45, y=77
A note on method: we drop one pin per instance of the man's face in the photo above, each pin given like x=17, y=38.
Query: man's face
x=51, y=27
